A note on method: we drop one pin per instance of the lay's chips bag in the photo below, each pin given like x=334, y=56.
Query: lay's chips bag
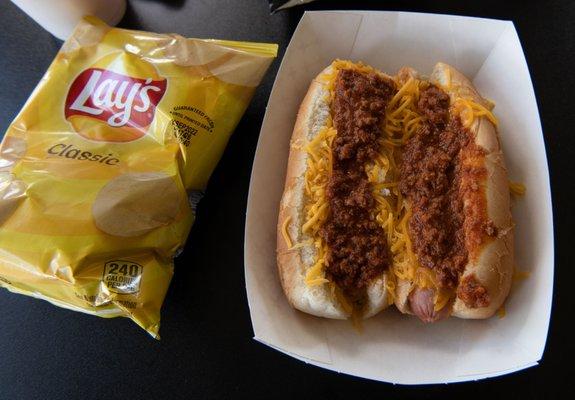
x=100, y=171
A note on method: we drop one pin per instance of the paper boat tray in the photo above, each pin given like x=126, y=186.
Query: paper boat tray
x=393, y=347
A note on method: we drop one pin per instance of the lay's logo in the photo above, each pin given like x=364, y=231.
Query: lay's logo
x=108, y=106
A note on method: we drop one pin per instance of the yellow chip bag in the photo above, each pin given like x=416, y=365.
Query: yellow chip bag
x=100, y=171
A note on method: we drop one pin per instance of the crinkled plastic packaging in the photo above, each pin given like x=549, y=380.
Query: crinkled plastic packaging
x=100, y=171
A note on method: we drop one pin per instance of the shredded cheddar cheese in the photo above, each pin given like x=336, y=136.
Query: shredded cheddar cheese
x=448, y=79
x=390, y=286
x=316, y=209
x=318, y=172
x=300, y=245
x=401, y=117
x=470, y=110
x=401, y=123
x=519, y=275
x=285, y=232
x=517, y=188
x=337, y=294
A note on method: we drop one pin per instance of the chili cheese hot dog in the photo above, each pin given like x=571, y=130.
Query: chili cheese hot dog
x=333, y=256
x=396, y=191
x=454, y=189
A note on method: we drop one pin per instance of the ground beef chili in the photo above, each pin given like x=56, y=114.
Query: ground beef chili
x=429, y=179
x=434, y=179
x=472, y=293
x=357, y=245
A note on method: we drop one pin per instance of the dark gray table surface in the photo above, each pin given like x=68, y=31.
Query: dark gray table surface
x=207, y=349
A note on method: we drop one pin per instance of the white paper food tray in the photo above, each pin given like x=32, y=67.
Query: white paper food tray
x=393, y=347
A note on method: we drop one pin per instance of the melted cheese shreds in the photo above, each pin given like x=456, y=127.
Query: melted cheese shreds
x=442, y=297
x=318, y=172
x=390, y=286
x=316, y=216
x=300, y=245
x=357, y=321
x=490, y=104
x=381, y=178
x=343, y=301
x=315, y=275
x=316, y=209
x=407, y=267
x=401, y=117
x=448, y=84
x=519, y=275
x=285, y=232
x=401, y=122
x=517, y=188
x=469, y=110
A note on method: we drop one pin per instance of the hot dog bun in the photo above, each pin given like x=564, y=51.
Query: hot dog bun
x=293, y=264
x=490, y=264
x=483, y=224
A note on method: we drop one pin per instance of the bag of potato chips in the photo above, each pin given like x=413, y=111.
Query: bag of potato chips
x=100, y=171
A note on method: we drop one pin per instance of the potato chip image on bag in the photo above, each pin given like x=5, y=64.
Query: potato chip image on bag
x=99, y=169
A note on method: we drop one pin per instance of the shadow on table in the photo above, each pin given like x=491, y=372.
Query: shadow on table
x=131, y=20
x=170, y=3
